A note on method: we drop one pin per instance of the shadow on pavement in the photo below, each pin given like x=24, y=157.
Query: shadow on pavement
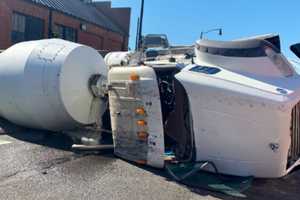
x=200, y=191
x=40, y=137
x=286, y=188
x=276, y=189
x=46, y=138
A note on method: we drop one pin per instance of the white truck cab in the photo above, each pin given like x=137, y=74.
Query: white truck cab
x=237, y=106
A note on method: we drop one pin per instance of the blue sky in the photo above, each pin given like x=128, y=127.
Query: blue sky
x=183, y=20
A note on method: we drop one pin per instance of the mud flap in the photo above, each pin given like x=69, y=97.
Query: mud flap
x=136, y=115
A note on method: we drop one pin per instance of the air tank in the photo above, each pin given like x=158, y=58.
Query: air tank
x=45, y=84
x=120, y=58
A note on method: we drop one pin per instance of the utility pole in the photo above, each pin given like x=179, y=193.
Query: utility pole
x=137, y=35
x=140, y=27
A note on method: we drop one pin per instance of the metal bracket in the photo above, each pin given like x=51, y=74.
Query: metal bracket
x=98, y=86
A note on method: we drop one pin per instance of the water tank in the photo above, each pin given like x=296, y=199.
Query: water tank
x=45, y=84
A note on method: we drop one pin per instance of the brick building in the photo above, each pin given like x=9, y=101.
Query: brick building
x=92, y=23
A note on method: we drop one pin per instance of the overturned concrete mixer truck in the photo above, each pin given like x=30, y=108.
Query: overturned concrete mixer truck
x=234, y=104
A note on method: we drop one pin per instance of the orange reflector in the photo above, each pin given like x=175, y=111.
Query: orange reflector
x=143, y=135
x=141, y=123
x=134, y=77
x=169, y=158
x=141, y=162
x=140, y=111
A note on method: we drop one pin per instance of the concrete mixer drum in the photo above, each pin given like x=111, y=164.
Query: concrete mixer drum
x=45, y=84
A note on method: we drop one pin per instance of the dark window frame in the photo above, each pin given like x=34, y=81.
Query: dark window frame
x=33, y=28
x=65, y=30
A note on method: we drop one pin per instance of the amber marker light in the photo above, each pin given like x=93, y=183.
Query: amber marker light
x=134, y=77
x=143, y=136
x=141, y=123
x=141, y=162
x=140, y=111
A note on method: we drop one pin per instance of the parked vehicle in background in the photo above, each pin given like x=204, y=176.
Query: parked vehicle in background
x=155, y=41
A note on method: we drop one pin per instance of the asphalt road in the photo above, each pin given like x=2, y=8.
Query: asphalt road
x=39, y=165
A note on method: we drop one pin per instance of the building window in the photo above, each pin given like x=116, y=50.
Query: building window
x=65, y=32
x=25, y=28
